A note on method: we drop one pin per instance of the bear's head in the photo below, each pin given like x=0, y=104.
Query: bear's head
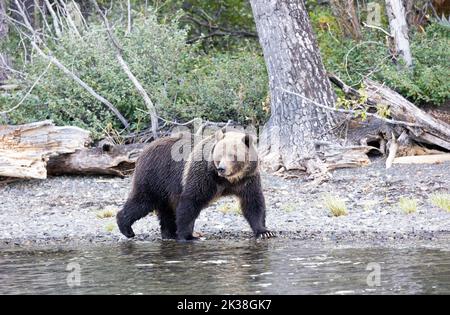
x=234, y=155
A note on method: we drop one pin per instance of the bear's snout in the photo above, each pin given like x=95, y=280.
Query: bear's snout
x=221, y=170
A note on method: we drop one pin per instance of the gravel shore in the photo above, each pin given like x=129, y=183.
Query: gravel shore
x=63, y=210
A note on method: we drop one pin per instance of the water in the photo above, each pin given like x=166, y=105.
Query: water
x=224, y=267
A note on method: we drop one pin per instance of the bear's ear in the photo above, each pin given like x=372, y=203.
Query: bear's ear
x=219, y=135
x=248, y=140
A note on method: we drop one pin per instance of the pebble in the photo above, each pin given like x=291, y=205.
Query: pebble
x=64, y=209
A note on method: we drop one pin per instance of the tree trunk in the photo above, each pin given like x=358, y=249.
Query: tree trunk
x=345, y=12
x=3, y=34
x=399, y=29
x=294, y=64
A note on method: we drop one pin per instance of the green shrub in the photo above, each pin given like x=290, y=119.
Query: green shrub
x=182, y=82
x=427, y=83
x=225, y=87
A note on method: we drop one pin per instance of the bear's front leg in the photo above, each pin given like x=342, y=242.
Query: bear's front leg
x=187, y=212
x=254, y=208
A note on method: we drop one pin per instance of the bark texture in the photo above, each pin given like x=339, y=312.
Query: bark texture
x=345, y=12
x=116, y=160
x=294, y=64
x=3, y=33
x=25, y=149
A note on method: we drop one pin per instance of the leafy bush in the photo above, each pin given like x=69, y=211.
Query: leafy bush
x=182, y=83
x=185, y=83
x=427, y=83
x=225, y=87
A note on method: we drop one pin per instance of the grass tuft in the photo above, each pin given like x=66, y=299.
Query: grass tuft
x=230, y=208
x=107, y=213
x=110, y=227
x=441, y=200
x=408, y=205
x=336, y=205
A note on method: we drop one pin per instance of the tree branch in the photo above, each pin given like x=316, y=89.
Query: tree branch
x=28, y=92
x=64, y=69
x=148, y=102
x=347, y=111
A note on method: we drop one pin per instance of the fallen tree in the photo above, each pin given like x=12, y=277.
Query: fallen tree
x=429, y=130
x=25, y=149
x=116, y=160
x=408, y=130
x=40, y=149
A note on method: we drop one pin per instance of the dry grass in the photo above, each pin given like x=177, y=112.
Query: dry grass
x=110, y=227
x=289, y=207
x=107, y=213
x=441, y=200
x=408, y=205
x=336, y=205
x=230, y=208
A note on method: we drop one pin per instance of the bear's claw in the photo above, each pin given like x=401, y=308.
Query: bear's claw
x=266, y=235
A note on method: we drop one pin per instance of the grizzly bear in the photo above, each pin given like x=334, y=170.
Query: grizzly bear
x=222, y=164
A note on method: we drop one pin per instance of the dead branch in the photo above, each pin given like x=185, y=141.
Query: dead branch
x=129, y=17
x=393, y=147
x=28, y=92
x=148, y=102
x=33, y=37
x=55, y=19
x=349, y=111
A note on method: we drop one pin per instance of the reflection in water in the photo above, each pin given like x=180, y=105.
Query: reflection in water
x=224, y=267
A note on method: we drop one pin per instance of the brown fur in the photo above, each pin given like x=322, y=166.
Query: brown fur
x=180, y=190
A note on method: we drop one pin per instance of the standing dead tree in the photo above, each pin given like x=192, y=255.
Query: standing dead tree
x=3, y=33
x=399, y=29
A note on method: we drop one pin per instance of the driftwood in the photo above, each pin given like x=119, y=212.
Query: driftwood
x=408, y=131
x=422, y=159
x=429, y=130
x=39, y=149
x=117, y=160
x=25, y=149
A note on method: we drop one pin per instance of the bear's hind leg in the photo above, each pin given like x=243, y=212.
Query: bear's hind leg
x=133, y=210
x=168, y=223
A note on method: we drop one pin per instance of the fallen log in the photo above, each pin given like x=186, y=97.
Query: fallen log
x=429, y=130
x=408, y=130
x=25, y=149
x=116, y=160
x=423, y=159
